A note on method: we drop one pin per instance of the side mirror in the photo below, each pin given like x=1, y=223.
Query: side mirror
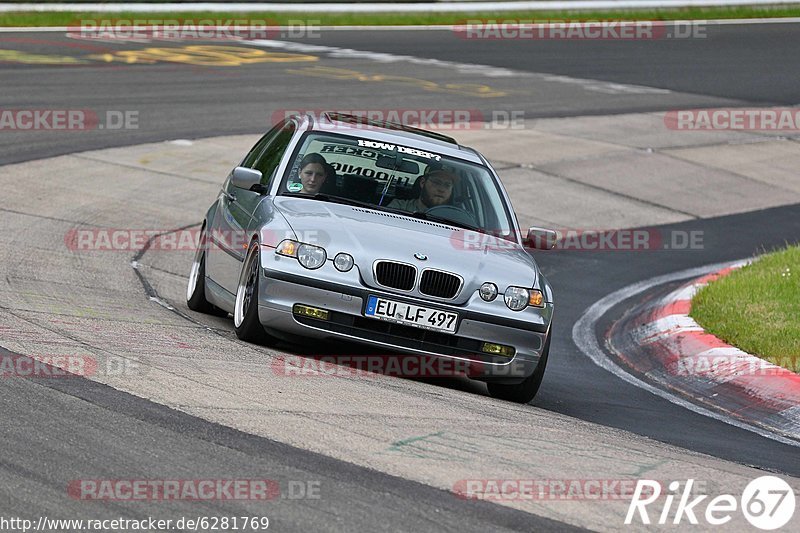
x=542, y=239
x=245, y=178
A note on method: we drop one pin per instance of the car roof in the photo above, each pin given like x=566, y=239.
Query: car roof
x=383, y=131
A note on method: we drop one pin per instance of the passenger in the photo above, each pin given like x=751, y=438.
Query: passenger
x=313, y=173
x=436, y=188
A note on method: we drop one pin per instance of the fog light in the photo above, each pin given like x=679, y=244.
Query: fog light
x=311, y=312
x=497, y=349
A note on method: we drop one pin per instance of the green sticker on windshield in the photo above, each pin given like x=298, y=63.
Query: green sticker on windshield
x=294, y=187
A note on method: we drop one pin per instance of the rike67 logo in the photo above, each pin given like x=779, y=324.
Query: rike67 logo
x=767, y=502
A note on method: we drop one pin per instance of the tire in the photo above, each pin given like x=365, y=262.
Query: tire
x=196, y=289
x=526, y=391
x=245, y=311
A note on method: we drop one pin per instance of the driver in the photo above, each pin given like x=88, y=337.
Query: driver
x=436, y=188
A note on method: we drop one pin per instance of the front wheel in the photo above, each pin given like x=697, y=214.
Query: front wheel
x=245, y=311
x=522, y=392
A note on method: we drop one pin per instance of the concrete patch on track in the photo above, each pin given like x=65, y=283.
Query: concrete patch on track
x=57, y=299
x=631, y=170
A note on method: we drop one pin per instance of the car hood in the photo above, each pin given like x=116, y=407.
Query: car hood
x=369, y=235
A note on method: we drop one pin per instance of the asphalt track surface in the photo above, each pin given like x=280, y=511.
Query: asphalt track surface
x=753, y=65
x=757, y=64
x=78, y=424
x=738, y=66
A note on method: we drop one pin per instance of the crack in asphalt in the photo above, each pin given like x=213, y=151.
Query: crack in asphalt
x=530, y=166
x=43, y=217
x=733, y=174
x=139, y=167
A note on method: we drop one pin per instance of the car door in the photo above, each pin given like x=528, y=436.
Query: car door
x=233, y=222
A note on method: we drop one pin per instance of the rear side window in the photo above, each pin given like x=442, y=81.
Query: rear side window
x=271, y=155
x=252, y=156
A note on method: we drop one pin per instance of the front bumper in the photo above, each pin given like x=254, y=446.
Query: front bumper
x=279, y=291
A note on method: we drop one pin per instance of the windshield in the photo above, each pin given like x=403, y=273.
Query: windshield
x=399, y=178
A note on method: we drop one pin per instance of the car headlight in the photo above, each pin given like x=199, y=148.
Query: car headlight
x=488, y=291
x=311, y=256
x=343, y=262
x=517, y=298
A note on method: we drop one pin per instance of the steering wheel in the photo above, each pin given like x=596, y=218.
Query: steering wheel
x=454, y=213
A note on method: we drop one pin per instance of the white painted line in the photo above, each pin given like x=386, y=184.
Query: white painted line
x=722, y=351
x=463, y=68
x=793, y=413
x=671, y=324
x=664, y=327
x=440, y=7
x=583, y=334
x=684, y=293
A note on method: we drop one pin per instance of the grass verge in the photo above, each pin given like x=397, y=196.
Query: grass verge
x=757, y=308
x=384, y=19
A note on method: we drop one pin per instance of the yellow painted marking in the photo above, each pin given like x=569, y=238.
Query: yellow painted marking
x=26, y=58
x=475, y=89
x=204, y=55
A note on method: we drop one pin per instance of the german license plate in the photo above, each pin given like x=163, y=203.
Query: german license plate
x=411, y=315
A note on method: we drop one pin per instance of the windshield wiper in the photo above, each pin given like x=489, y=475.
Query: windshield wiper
x=328, y=198
x=348, y=201
x=434, y=218
x=338, y=200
